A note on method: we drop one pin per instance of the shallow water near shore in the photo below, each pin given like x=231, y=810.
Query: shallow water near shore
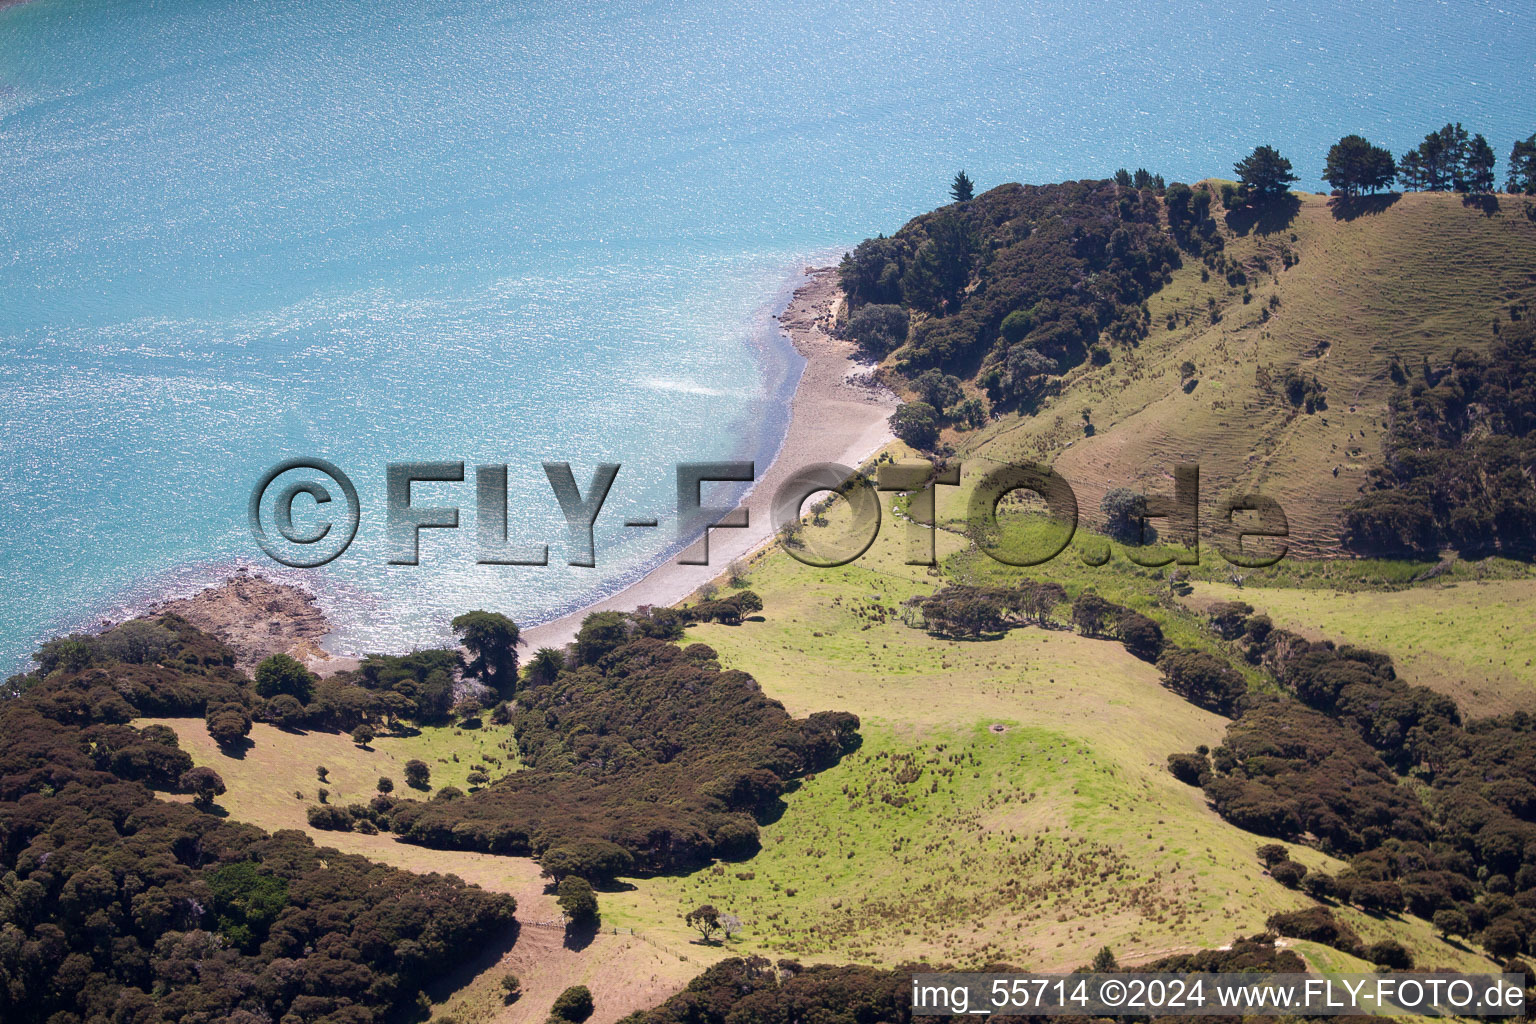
x=235, y=233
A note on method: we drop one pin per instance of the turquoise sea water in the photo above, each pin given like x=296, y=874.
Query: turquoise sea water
x=236, y=232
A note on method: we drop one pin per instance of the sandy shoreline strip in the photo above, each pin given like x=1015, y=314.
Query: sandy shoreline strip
x=835, y=416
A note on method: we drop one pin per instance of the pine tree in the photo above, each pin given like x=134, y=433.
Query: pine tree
x=1439, y=164
x=1522, y=168
x=1480, y=160
x=1355, y=165
x=1265, y=174
x=962, y=189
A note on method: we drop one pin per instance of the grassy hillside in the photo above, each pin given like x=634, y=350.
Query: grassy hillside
x=1001, y=786
x=1414, y=280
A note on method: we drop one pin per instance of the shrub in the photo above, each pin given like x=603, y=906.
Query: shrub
x=916, y=423
x=878, y=328
x=280, y=674
x=574, y=1004
x=1188, y=768
x=1288, y=873
x=576, y=900
x=1389, y=953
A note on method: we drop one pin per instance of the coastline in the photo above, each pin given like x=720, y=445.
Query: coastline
x=834, y=416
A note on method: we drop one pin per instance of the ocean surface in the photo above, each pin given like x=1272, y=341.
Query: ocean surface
x=233, y=233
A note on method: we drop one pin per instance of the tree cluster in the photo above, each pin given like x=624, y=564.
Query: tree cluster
x=1355, y=165
x=117, y=906
x=1328, y=761
x=1447, y=160
x=1021, y=280
x=1460, y=457
x=642, y=756
x=755, y=990
x=974, y=611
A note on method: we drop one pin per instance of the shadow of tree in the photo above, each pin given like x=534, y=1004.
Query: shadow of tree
x=579, y=934
x=1486, y=202
x=477, y=961
x=1350, y=207
x=236, y=751
x=1271, y=216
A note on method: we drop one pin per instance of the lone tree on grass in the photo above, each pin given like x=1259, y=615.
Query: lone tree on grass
x=363, y=735
x=492, y=639
x=1264, y=174
x=511, y=987
x=204, y=784
x=1124, y=511
x=228, y=724
x=962, y=189
x=1104, y=961
x=574, y=1005
x=706, y=919
x=417, y=774
x=576, y=900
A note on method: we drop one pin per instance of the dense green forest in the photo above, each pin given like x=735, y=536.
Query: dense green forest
x=1436, y=814
x=752, y=990
x=117, y=905
x=641, y=756
x=1012, y=286
x=1460, y=456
